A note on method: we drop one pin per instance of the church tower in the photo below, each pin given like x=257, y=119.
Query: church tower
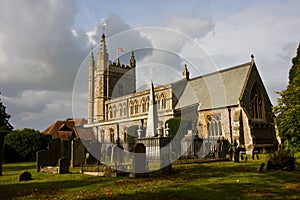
x=100, y=83
x=108, y=80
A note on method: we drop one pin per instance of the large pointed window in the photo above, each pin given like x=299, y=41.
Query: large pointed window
x=214, y=126
x=257, y=110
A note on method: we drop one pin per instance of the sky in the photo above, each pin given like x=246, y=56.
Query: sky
x=44, y=46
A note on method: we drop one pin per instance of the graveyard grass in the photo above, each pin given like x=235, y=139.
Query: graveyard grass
x=216, y=180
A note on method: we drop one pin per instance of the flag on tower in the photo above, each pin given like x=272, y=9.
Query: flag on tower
x=121, y=49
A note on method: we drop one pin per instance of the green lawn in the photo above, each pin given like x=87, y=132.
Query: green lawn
x=217, y=180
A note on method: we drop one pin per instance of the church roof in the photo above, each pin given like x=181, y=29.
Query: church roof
x=215, y=90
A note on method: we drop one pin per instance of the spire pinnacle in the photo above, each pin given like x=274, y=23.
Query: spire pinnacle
x=186, y=73
x=132, y=60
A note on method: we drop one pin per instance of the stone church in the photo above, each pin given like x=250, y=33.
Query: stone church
x=231, y=103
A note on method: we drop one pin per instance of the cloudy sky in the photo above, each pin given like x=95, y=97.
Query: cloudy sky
x=44, y=43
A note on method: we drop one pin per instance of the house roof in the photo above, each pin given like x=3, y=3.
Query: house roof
x=63, y=129
x=215, y=90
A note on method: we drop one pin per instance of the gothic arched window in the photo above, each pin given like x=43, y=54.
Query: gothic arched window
x=256, y=104
x=110, y=112
x=114, y=111
x=144, y=105
x=147, y=104
x=136, y=107
x=163, y=101
x=214, y=125
x=112, y=135
x=120, y=110
x=131, y=107
x=124, y=109
x=157, y=102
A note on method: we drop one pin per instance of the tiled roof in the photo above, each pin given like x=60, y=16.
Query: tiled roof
x=215, y=90
x=63, y=129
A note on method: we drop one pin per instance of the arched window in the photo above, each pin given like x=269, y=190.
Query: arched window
x=131, y=107
x=136, y=107
x=214, y=125
x=114, y=111
x=147, y=104
x=112, y=135
x=157, y=102
x=256, y=104
x=124, y=109
x=144, y=105
x=163, y=102
x=120, y=110
x=110, y=112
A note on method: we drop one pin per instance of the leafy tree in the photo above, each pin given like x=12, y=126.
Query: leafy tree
x=5, y=127
x=22, y=145
x=288, y=108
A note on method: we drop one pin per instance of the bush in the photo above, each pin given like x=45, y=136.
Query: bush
x=179, y=126
x=22, y=145
x=283, y=160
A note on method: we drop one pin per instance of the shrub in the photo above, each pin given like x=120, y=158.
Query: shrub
x=282, y=159
x=22, y=145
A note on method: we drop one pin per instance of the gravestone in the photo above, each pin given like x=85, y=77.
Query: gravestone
x=236, y=152
x=63, y=165
x=139, y=167
x=25, y=176
x=261, y=167
x=48, y=157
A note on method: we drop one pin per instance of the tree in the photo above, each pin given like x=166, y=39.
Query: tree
x=288, y=108
x=5, y=127
x=22, y=145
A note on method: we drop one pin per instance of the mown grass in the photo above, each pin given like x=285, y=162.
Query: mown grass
x=217, y=180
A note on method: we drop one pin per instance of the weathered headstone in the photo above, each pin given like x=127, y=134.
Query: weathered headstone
x=269, y=165
x=25, y=176
x=261, y=168
x=48, y=157
x=139, y=167
x=63, y=165
x=236, y=152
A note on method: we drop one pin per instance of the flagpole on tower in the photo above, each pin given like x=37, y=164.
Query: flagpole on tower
x=103, y=27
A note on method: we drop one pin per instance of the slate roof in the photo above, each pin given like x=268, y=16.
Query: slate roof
x=84, y=133
x=216, y=90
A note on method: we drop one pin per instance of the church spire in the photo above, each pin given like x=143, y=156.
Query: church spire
x=132, y=60
x=186, y=73
x=102, y=53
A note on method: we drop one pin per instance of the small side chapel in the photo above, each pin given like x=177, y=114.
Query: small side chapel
x=232, y=103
